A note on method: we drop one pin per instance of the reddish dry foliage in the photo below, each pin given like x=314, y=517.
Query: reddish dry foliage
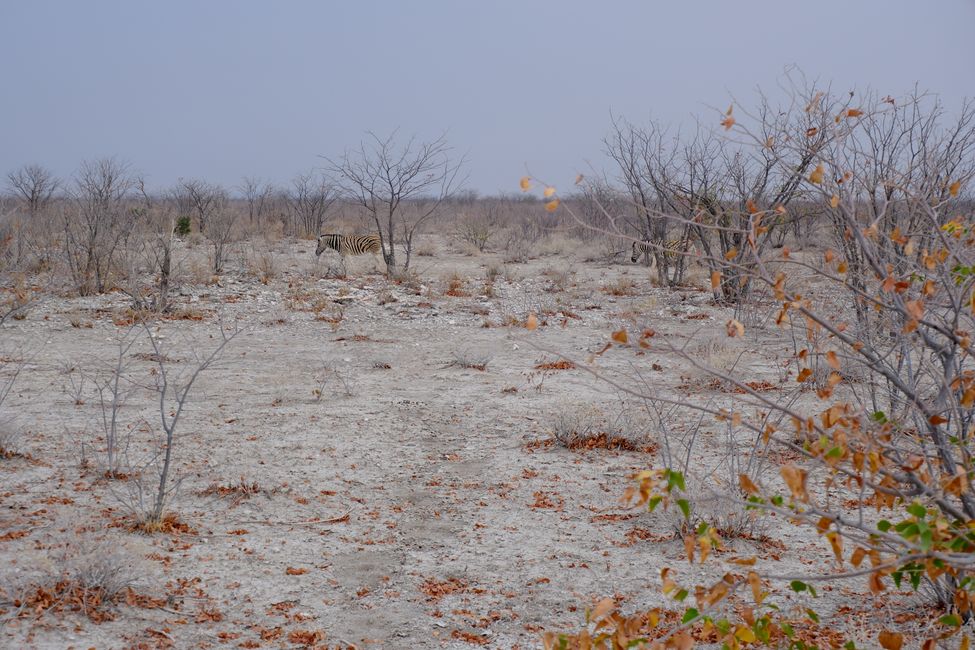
x=437, y=589
x=13, y=534
x=469, y=637
x=306, y=638
x=541, y=443
x=67, y=596
x=170, y=525
x=603, y=440
x=544, y=502
x=296, y=571
x=564, y=364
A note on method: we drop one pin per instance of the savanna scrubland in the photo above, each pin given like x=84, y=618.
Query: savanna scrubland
x=501, y=431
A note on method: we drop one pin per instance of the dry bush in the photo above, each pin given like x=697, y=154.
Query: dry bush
x=426, y=247
x=261, y=262
x=89, y=576
x=621, y=287
x=472, y=359
x=334, y=377
x=588, y=427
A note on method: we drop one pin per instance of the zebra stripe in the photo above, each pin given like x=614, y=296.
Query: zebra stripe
x=671, y=249
x=349, y=244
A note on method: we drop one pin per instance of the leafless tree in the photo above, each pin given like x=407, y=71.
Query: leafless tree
x=205, y=199
x=35, y=186
x=259, y=196
x=383, y=178
x=222, y=232
x=97, y=222
x=309, y=199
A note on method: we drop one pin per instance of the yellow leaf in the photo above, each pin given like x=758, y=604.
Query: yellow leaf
x=526, y=183
x=835, y=201
x=532, y=322
x=549, y=191
x=552, y=205
x=954, y=188
x=817, y=175
x=745, y=634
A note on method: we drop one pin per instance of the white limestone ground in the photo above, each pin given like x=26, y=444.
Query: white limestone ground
x=410, y=504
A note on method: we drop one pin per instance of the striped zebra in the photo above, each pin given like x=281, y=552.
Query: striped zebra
x=349, y=244
x=671, y=249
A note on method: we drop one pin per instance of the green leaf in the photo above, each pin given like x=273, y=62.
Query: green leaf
x=813, y=616
x=680, y=595
x=883, y=525
x=897, y=576
x=787, y=630
x=724, y=626
x=850, y=646
x=798, y=586
x=917, y=510
x=835, y=452
x=690, y=615
x=685, y=507
x=951, y=620
x=879, y=416
x=654, y=502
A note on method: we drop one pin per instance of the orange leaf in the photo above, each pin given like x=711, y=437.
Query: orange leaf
x=747, y=485
x=804, y=374
x=552, y=205
x=602, y=609
x=834, y=201
x=854, y=112
x=620, y=337
x=832, y=360
x=525, y=183
x=810, y=132
x=954, y=188
x=549, y=191
x=817, y=175
x=732, y=254
x=532, y=322
x=734, y=328
x=891, y=640
x=795, y=478
x=716, y=282
x=292, y=571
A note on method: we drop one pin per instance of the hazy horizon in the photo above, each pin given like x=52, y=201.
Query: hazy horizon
x=222, y=90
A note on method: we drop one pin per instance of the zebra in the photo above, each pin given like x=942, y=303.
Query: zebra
x=671, y=249
x=349, y=245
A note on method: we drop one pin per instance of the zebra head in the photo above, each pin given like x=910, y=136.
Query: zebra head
x=327, y=241
x=638, y=249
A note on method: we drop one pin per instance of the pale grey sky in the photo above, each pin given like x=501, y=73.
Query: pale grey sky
x=219, y=90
